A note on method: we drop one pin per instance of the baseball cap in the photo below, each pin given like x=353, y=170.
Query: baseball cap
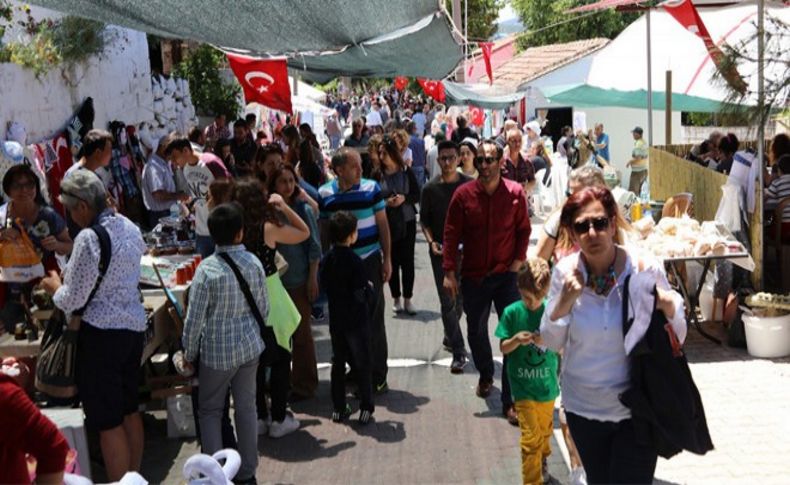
x=638, y=129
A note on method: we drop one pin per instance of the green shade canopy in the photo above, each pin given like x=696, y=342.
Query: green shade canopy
x=480, y=95
x=380, y=38
x=586, y=96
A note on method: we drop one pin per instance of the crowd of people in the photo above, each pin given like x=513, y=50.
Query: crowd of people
x=287, y=229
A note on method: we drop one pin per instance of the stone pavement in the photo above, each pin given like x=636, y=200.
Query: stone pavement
x=430, y=427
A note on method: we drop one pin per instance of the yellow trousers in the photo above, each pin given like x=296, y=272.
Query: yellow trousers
x=536, y=421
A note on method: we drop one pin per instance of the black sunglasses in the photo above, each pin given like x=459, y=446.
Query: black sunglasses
x=487, y=160
x=598, y=223
x=69, y=194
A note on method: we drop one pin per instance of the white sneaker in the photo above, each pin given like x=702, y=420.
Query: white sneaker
x=278, y=429
x=397, y=306
x=409, y=308
x=263, y=426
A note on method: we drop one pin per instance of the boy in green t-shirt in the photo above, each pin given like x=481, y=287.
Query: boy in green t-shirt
x=531, y=368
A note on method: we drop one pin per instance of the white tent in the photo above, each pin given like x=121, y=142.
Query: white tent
x=622, y=65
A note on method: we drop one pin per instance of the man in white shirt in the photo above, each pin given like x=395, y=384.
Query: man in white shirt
x=200, y=170
x=374, y=117
x=159, y=185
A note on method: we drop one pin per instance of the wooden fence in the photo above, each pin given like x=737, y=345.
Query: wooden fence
x=670, y=174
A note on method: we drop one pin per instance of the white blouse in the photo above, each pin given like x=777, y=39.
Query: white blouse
x=116, y=304
x=595, y=368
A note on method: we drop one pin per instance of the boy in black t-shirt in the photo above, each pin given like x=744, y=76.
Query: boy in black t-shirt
x=349, y=291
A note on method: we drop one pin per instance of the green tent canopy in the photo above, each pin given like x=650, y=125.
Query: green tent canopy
x=480, y=95
x=381, y=38
x=586, y=96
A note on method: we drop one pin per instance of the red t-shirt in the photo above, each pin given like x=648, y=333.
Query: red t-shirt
x=24, y=430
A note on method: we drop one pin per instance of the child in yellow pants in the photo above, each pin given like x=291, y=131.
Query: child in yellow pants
x=531, y=369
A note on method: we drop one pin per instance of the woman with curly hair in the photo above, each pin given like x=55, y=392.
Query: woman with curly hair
x=263, y=230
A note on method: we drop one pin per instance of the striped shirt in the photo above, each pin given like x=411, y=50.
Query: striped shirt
x=363, y=200
x=778, y=190
x=220, y=327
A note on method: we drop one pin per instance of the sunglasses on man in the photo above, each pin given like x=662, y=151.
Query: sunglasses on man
x=486, y=160
x=600, y=224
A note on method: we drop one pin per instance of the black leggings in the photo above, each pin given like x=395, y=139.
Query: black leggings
x=609, y=451
x=403, y=260
x=279, y=361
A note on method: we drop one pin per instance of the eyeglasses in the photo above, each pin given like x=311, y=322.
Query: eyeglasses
x=598, y=223
x=447, y=158
x=486, y=160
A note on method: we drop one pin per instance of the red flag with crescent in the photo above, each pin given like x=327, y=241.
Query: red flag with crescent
x=434, y=89
x=401, y=83
x=477, y=116
x=264, y=81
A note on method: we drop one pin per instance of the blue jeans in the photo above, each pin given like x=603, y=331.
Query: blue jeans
x=478, y=295
x=419, y=173
x=204, y=246
x=334, y=142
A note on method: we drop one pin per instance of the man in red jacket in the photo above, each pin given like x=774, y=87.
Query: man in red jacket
x=489, y=220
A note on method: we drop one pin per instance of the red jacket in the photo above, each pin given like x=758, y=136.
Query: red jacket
x=24, y=430
x=494, y=229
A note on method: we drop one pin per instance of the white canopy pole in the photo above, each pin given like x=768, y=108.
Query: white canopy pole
x=649, y=84
x=761, y=127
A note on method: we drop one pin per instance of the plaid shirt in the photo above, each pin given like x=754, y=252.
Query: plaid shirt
x=121, y=175
x=220, y=329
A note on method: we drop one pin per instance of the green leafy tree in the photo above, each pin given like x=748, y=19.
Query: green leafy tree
x=548, y=23
x=482, y=17
x=210, y=93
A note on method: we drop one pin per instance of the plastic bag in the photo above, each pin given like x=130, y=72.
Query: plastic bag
x=180, y=417
x=729, y=211
x=19, y=261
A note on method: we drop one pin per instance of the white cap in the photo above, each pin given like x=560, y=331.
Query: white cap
x=534, y=126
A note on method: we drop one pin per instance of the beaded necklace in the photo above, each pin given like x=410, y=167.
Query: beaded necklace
x=601, y=285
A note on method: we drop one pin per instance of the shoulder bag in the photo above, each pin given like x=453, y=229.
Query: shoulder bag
x=55, y=370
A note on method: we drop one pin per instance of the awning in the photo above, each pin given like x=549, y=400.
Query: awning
x=584, y=95
x=480, y=95
x=379, y=38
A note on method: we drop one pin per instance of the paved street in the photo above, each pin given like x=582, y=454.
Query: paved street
x=430, y=427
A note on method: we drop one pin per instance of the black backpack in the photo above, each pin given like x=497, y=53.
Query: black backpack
x=665, y=404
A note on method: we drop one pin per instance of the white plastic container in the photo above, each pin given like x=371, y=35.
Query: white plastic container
x=767, y=337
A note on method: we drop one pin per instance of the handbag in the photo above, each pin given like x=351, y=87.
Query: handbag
x=55, y=370
x=666, y=407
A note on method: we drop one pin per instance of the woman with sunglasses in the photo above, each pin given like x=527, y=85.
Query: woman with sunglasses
x=584, y=320
x=401, y=192
x=45, y=228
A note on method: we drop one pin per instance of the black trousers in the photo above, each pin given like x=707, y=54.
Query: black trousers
x=279, y=361
x=351, y=346
x=403, y=262
x=378, y=332
x=609, y=451
x=452, y=309
x=478, y=295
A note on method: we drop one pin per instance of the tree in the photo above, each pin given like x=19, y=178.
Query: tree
x=482, y=17
x=776, y=71
x=540, y=14
x=210, y=93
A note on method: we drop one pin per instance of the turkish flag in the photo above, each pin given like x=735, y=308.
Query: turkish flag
x=401, y=82
x=434, y=89
x=486, y=47
x=476, y=116
x=686, y=14
x=263, y=81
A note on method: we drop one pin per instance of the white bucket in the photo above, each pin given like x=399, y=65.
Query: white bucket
x=767, y=337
